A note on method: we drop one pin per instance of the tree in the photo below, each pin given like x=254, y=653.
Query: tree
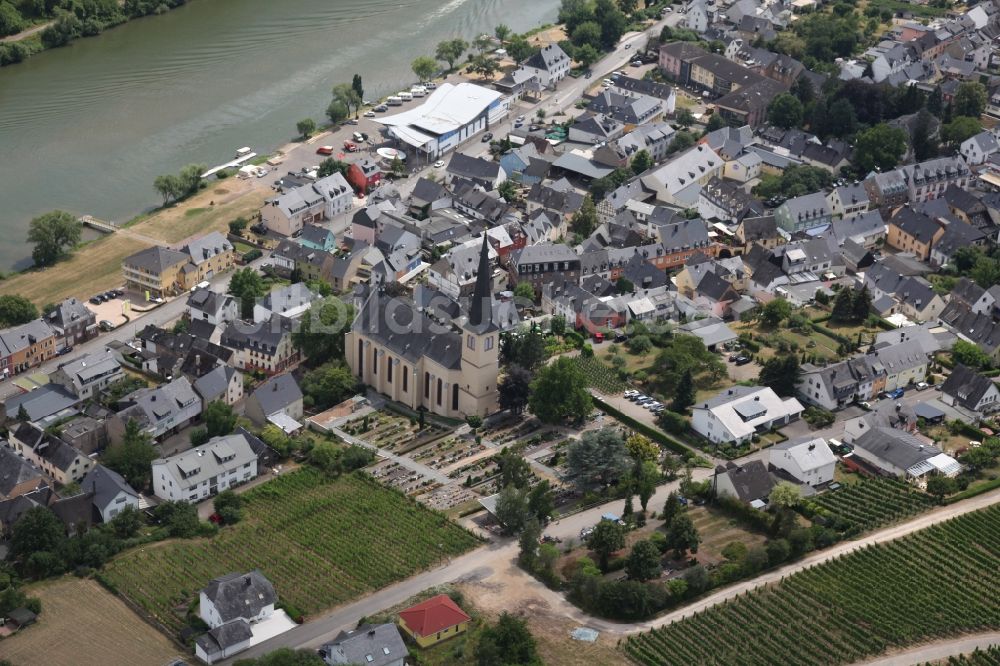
x=861, y=304
x=512, y=509
x=587, y=34
x=219, y=418
x=843, y=307
x=803, y=90
x=306, y=127
x=329, y=384
x=524, y=291
x=180, y=518
x=641, y=162
x=451, y=50
x=612, y=21
x=685, y=118
x=559, y=393
x=337, y=112
x=969, y=99
x=682, y=535
x=321, y=330
x=424, y=67
x=785, y=110
x=642, y=448
x=960, y=129
x=502, y=32
x=643, y=563
x=54, y=234
x=358, y=86
x=979, y=458
x=528, y=544
x=133, y=457
x=784, y=495
x=685, y=394
x=329, y=166
x=597, y=460
x=586, y=55
x=509, y=191
x=484, y=65
x=557, y=325
x=507, y=643
x=671, y=507
x=229, y=506
x=584, y=221
x=519, y=49
x=515, y=389
x=16, y=310
x=970, y=354
x=925, y=146
x=939, y=485
x=525, y=348
x=715, y=122
x=607, y=538
x=37, y=530
x=781, y=373
x=647, y=475
x=348, y=96
x=541, y=501
x=879, y=147
x=276, y=438
x=935, y=102
x=247, y=285
x=681, y=141
x=775, y=312
x=514, y=469
x=198, y=436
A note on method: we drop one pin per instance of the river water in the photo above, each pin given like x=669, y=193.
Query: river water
x=86, y=128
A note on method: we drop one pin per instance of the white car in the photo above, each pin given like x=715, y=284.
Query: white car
x=922, y=385
x=369, y=114
x=439, y=164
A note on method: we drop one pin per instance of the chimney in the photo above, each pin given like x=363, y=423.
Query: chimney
x=247, y=581
x=274, y=387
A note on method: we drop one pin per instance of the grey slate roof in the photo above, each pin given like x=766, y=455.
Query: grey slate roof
x=15, y=470
x=155, y=259
x=751, y=481
x=224, y=636
x=213, y=384
x=401, y=327
x=368, y=645
x=896, y=447
x=277, y=393
x=967, y=386
x=57, y=452
x=41, y=403
x=237, y=595
x=105, y=484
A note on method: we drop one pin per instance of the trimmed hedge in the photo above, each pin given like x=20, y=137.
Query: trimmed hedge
x=645, y=429
x=972, y=492
x=823, y=330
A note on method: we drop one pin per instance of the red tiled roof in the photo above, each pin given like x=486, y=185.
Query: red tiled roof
x=434, y=615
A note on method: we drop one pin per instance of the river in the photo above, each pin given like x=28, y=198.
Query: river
x=88, y=127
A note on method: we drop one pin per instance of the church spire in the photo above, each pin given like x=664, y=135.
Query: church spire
x=481, y=310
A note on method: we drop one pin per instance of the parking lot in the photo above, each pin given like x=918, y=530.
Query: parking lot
x=114, y=310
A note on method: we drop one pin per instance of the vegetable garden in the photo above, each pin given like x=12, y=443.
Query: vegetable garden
x=864, y=506
x=932, y=584
x=321, y=541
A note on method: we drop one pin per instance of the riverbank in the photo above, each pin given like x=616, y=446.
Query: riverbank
x=96, y=266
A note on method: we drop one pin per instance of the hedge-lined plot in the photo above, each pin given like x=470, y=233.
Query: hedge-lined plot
x=866, y=505
x=937, y=582
x=320, y=541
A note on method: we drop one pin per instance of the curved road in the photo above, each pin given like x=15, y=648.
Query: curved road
x=938, y=650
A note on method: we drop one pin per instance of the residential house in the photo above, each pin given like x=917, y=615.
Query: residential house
x=929, y=180
x=159, y=272
x=977, y=149
x=17, y=475
x=762, y=230
x=866, y=229
x=208, y=256
x=265, y=346
x=26, y=346
x=970, y=390
x=212, y=307
x=277, y=401
x=903, y=364
x=54, y=457
x=715, y=295
x=648, y=88
x=626, y=108
x=808, y=460
x=112, y=494
x=917, y=299
x=72, y=322
x=223, y=383
x=540, y=264
x=364, y=175
x=160, y=411
x=887, y=190
x=230, y=605
x=736, y=414
x=724, y=200
x=549, y=65
x=428, y=196
x=803, y=213
x=291, y=301
x=750, y=483
x=837, y=385
x=956, y=235
x=698, y=17
x=485, y=173
x=220, y=463
x=901, y=454
x=595, y=129
x=748, y=104
x=289, y=213
x=910, y=231
x=680, y=180
x=848, y=201
x=433, y=620
x=369, y=645
x=89, y=374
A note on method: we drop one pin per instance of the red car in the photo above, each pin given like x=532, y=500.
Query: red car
x=350, y=147
x=324, y=150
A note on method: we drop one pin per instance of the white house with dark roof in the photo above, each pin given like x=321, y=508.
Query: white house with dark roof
x=324, y=199
x=223, y=382
x=808, y=460
x=159, y=410
x=970, y=390
x=368, y=645
x=735, y=415
x=902, y=454
x=550, y=65
x=977, y=149
x=290, y=301
x=848, y=201
x=750, y=483
x=239, y=610
x=206, y=470
x=277, y=401
x=680, y=180
x=802, y=213
x=112, y=494
x=211, y=306
x=88, y=374
x=59, y=460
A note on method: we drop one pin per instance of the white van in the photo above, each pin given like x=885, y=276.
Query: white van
x=393, y=100
x=404, y=96
x=418, y=91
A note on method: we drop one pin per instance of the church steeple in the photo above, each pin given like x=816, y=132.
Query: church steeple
x=481, y=308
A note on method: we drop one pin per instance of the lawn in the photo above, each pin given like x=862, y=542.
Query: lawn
x=935, y=583
x=321, y=541
x=717, y=531
x=85, y=625
x=96, y=266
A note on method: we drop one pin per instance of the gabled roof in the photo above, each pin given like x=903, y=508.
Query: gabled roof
x=155, y=259
x=897, y=447
x=15, y=470
x=434, y=615
x=106, y=486
x=368, y=645
x=751, y=480
x=277, y=393
x=808, y=452
x=237, y=595
x=966, y=386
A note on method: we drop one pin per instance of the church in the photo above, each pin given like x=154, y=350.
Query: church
x=420, y=357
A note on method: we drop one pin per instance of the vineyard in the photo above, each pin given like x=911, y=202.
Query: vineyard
x=867, y=505
x=600, y=375
x=320, y=541
x=935, y=583
x=988, y=657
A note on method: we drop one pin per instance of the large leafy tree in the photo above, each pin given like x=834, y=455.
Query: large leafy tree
x=348, y=96
x=424, y=67
x=515, y=389
x=451, y=50
x=321, y=331
x=559, y=393
x=219, y=418
x=643, y=562
x=879, y=147
x=584, y=221
x=597, y=460
x=607, y=538
x=507, y=643
x=685, y=353
x=16, y=309
x=785, y=110
x=969, y=99
x=682, y=535
x=329, y=384
x=53, y=234
x=524, y=348
x=37, y=530
x=247, y=285
x=781, y=373
x=133, y=457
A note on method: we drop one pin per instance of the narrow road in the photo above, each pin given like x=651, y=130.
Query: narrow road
x=24, y=34
x=938, y=650
x=404, y=461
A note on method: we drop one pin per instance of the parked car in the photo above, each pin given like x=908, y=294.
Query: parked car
x=106, y=325
x=519, y=119
x=631, y=392
x=64, y=351
x=652, y=405
x=683, y=501
x=119, y=293
x=742, y=360
x=865, y=405
x=487, y=137
x=628, y=46
x=96, y=300
x=439, y=164
x=637, y=63
x=369, y=114
x=324, y=150
x=733, y=357
x=922, y=385
x=381, y=108
x=621, y=337
x=551, y=539
x=895, y=395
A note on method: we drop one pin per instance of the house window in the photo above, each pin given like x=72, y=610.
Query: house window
x=488, y=345
x=388, y=370
x=454, y=396
x=470, y=342
x=374, y=362
x=427, y=385
x=406, y=377
x=440, y=388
